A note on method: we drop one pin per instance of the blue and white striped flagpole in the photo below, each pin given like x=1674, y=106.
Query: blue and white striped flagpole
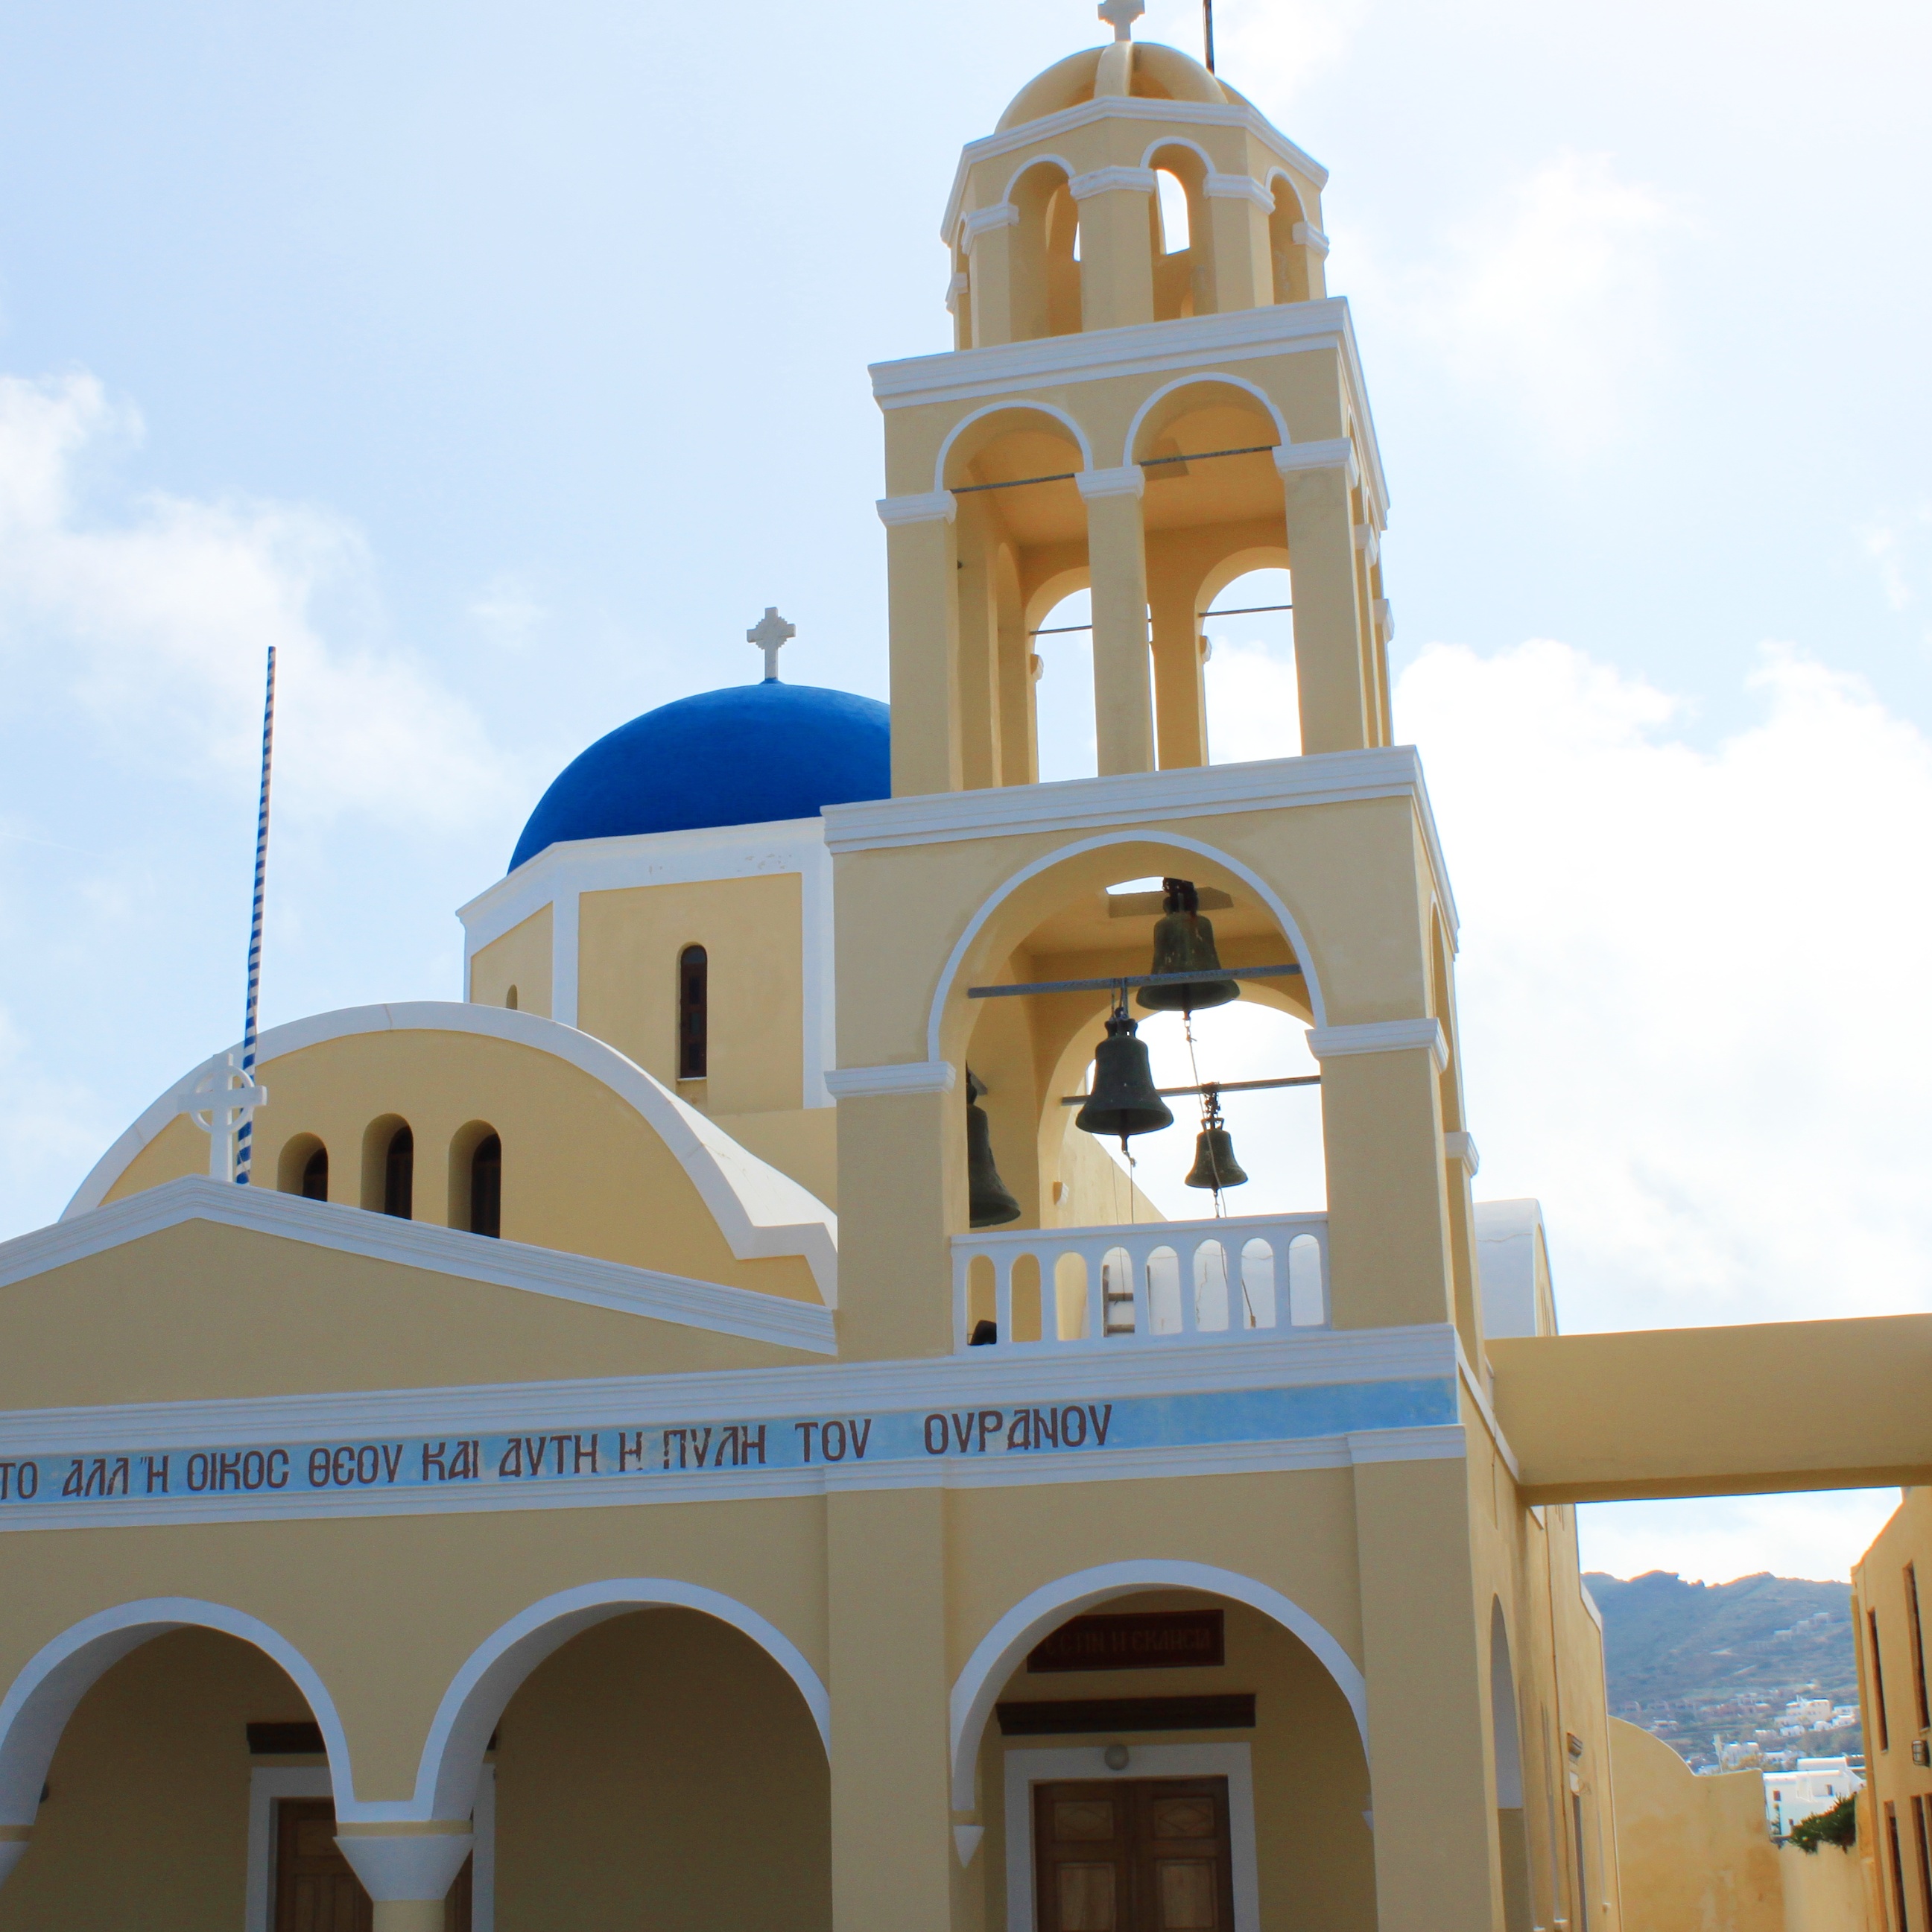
x=244, y=1135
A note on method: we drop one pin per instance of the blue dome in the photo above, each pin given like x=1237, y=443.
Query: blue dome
x=741, y=756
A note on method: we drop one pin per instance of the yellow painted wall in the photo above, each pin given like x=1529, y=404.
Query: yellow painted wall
x=627, y=947
x=582, y=1172
x=198, y=1312
x=521, y=958
x=661, y=1771
x=146, y=1828
x=1824, y=1890
x=1314, y=1851
x=1696, y=1853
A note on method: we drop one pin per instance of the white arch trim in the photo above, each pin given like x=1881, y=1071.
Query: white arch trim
x=1029, y=407
x=1195, y=381
x=762, y=1214
x=1149, y=836
x=453, y=1753
x=39, y=1701
x=1162, y=143
x=1027, y=167
x=1000, y=1650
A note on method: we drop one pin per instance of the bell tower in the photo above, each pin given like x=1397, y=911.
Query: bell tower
x=1142, y=413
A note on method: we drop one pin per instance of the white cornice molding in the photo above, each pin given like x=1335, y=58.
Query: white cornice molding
x=911, y=1076
x=1072, y=1372
x=1460, y=1146
x=1368, y=543
x=1385, y=619
x=1129, y=107
x=1334, y=452
x=1001, y=214
x=1095, y=484
x=1194, y=344
x=929, y=506
x=1310, y=237
x=763, y=1215
x=1106, y=181
x=1337, y=1042
x=638, y=859
x=1239, y=187
x=446, y=1251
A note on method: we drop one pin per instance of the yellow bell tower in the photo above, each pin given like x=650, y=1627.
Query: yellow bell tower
x=1141, y=413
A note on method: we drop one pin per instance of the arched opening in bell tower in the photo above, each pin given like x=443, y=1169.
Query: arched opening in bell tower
x=1043, y=264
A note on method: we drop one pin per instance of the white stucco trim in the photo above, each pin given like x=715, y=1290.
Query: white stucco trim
x=911, y=1076
x=1338, y=1042
x=931, y=506
x=1107, y=180
x=1309, y=237
x=1026, y=1766
x=1001, y=214
x=1239, y=187
x=458, y=1735
x=1146, y=798
x=999, y=1651
x=1129, y=107
x=950, y=972
x=762, y=1214
x=1207, y=376
x=1334, y=452
x=560, y=875
x=1032, y=406
x=268, y=1784
x=1461, y=1146
x=1026, y=167
x=1129, y=480
x=1012, y=369
x=650, y=1292
x=41, y=1699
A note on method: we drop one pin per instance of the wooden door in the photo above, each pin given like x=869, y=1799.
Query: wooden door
x=315, y=1889
x=1134, y=1855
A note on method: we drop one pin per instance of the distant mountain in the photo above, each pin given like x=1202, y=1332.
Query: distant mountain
x=1762, y=1637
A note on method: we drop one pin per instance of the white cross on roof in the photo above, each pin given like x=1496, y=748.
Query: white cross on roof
x=770, y=633
x=1120, y=15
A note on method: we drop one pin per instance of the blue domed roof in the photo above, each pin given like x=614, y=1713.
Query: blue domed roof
x=741, y=756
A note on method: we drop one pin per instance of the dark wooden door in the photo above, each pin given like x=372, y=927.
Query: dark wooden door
x=315, y=1889
x=1134, y=1855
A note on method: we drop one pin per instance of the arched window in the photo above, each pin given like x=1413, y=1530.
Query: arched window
x=694, y=1003
x=486, y=1187
x=302, y=1167
x=510, y=999
x=399, y=1168
x=315, y=1176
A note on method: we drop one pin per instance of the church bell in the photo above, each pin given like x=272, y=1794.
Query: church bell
x=1123, y=1100
x=988, y=1203
x=1215, y=1165
x=1183, y=942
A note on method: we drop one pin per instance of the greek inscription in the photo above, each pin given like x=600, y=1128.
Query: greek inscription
x=630, y=1451
x=158, y=1472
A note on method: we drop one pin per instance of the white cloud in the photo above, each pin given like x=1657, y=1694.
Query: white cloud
x=155, y=622
x=1684, y=976
x=1547, y=299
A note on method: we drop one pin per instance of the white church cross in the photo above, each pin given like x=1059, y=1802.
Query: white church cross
x=221, y=1101
x=1120, y=15
x=770, y=633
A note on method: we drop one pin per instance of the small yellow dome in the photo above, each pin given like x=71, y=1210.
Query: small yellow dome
x=1142, y=68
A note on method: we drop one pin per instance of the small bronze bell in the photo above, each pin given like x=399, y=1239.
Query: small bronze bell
x=1183, y=942
x=1215, y=1165
x=1123, y=1100
x=988, y=1203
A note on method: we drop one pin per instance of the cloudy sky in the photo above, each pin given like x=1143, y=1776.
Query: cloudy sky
x=501, y=364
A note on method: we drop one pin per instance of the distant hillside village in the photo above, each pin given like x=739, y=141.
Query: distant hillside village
x=1757, y=1673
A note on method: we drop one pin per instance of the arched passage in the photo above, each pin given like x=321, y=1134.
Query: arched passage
x=41, y=1699
x=994, y=1659
x=453, y=1753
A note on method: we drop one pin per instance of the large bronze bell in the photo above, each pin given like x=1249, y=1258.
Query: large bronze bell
x=1215, y=1165
x=1123, y=1101
x=988, y=1204
x=1183, y=942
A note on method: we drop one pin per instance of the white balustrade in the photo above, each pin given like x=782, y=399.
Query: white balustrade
x=1249, y=1277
